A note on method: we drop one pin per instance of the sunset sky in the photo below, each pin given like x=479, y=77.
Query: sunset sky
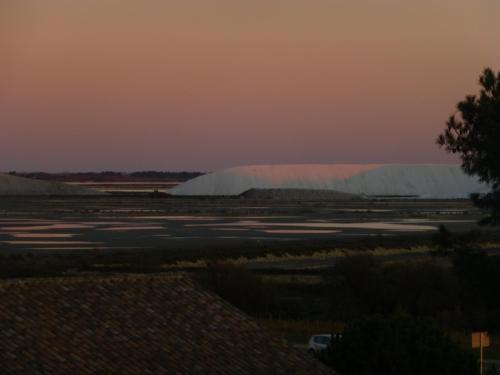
x=205, y=84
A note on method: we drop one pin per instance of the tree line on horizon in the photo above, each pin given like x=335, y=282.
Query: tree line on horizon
x=110, y=176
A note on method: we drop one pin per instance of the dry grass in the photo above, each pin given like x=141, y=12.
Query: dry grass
x=318, y=255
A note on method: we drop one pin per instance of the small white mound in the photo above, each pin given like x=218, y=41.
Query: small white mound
x=423, y=181
x=298, y=195
x=14, y=185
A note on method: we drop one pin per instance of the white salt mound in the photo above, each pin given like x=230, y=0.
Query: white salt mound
x=14, y=185
x=441, y=181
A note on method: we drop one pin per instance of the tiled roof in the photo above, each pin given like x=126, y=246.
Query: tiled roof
x=134, y=324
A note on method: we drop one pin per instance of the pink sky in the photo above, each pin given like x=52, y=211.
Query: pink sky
x=201, y=85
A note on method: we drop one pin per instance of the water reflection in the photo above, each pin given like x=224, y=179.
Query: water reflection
x=42, y=235
x=299, y=231
x=22, y=242
x=375, y=225
x=47, y=227
x=130, y=228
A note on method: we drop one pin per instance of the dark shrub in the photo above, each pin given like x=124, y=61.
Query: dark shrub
x=238, y=286
x=398, y=344
x=360, y=285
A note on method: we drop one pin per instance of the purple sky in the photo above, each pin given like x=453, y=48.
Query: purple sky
x=202, y=85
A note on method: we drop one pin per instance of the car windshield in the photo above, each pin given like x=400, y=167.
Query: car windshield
x=321, y=339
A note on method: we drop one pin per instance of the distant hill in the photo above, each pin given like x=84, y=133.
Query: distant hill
x=15, y=185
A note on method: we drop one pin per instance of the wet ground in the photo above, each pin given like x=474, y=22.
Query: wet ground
x=112, y=223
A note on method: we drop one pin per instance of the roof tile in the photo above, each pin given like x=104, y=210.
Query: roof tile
x=134, y=324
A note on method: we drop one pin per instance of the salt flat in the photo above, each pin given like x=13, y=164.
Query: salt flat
x=31, y=224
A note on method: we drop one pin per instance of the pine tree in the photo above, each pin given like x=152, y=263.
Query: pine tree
x=474, y=133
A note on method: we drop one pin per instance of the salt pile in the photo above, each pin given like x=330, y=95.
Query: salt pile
x=419, y=180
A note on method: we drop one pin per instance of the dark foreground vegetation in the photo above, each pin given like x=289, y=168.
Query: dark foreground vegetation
x=398, y=344
x=399, y=317
x=459, y=288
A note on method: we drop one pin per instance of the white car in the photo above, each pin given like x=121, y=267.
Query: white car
x=320, y=342
x=317, y=343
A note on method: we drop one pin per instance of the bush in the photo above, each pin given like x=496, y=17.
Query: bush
x=238, y=286
x=479, y=276
x=447, y=243
x=398, y=344
x=360, y=285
